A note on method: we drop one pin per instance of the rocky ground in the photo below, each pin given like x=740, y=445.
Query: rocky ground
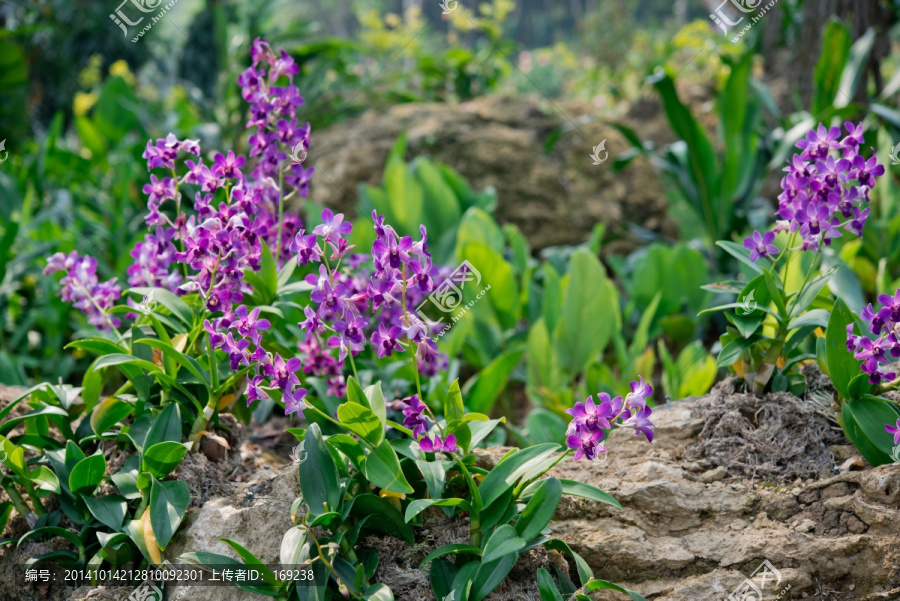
x=692, y=527
x=533, y=152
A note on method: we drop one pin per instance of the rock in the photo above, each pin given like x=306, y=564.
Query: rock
x=535, y=155
x=715, y=475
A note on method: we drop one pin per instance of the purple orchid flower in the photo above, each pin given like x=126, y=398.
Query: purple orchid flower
x=760, y=245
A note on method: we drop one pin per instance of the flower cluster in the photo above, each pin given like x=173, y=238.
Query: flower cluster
x=591, y=421
x=826, y=189
x=81, y=288
x=884, y=350
x=414, y=419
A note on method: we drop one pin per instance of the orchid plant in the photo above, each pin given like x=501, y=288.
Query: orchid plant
x=825, y=196
x=234, y=297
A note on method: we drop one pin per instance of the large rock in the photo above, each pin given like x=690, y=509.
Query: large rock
x=535, y=153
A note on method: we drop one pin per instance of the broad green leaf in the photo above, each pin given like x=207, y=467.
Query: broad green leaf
x=585, y=573
x=109, y=510
x=842, y=367
x=419, y=505
x=166, y=426
x=163, y=457
x=386, y=520
x=442, y=573
x=485, y=387
x=442, y=210
x=590, y=313
x=499, y=557
x=435, y=476
x=540, y=509
x=376, y=402
x=547, y=586
x=552, y=303
x=45, y=479
x=382, y=468
x=579, y=489
x=109, y=412
x=362, y=422
x=497, y=284
x=453, y=404
x=740, y=253
x=318, y=475
x=168, y=503
x=87, y=474
x=506, y=473
x=253, y=561
x=478, y=227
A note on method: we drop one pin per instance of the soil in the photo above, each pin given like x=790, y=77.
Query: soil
x=777, y=437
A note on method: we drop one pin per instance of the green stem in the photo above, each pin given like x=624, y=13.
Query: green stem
x=412, y=350
x=35, y=500
x=353, y=366
x=202, y=421
x=17, y=500
x=213, y=366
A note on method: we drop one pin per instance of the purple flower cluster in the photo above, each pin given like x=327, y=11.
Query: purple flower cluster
x=414, y=419
x=826, y=189
x=591, y=421
x=81, y=288
x=403, y=276
x=884, y=350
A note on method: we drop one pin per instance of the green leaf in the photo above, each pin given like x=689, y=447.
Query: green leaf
x=497, y=279
x=595, y=584
x=547, y=586
x=109, y=510
x=816, y=317
x=167, y=299
x=389, y=520
x=540, y=509
x=590, y=313
x=442, y=573
x=126, y=478
x=453, y=404
x=454, y=549
x=500, y=555
x=45, y=479
x=859, y=387
x=740, y=253
x=585, y=573
x=732, y=351
x=318, y=475
x=545, y=426
x=478, y=227
x=376, y=402
x=552, y=303
x=871, y=414
x=842, y=367
x=14, y=457
x=378, y=592
x=506, y=473
x=166, y=426
x=349, y=446
x=482, y=429
x=382, y=468
x=163, y=457
x=168, y=503
x=99, y=346
x=252, y=560
x=419, y=505
x=362, y=422
x=810, y=292
x=442, y=210
x=215, y=563
x=435, y=476
x=355, y=393
x=188, y=363
x=485, y=387
x=109, y=412
x=87, y=474
x=404, y=197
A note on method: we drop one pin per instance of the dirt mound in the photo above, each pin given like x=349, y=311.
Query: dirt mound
x=774, y=437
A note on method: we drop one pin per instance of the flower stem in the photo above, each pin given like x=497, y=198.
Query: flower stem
x=17, y=500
